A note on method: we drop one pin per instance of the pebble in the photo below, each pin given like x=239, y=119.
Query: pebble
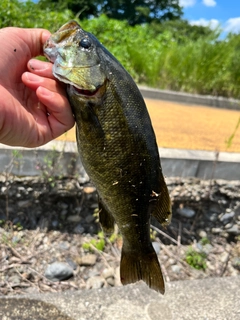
x=79, y=229
x=89, y=218
x=216, y=230
x=87, y=260
x=202, y=234
x=212, y=216
x=14, y=280
x=24, y=203
x=74, y=218
x=58, y=271
x=236, y=263
x=228, y=226
x=64, y=245
x=186, y=212
x=175, y=268
x=227, y=216
x=96, y=282
x=234, y=229
x=207, y=248
x=108, y=273
x=224, y=257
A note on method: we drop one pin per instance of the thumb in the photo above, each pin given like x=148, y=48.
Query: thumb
x=35, y=38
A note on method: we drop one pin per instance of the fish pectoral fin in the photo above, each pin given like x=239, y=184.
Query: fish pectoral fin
x=144, y=266
x=106, y=219
x=162, y=207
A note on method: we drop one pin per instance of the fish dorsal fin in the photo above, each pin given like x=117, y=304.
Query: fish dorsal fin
x=105, y=218
x=162, y=209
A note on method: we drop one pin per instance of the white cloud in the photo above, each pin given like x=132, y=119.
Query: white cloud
x=209, y=3
x=232, y=25
x=187, y=3
x=213, y=23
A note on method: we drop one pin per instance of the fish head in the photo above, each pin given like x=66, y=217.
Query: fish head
x=75, y=57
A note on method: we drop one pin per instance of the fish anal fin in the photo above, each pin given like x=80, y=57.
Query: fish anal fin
x=162, y=207
x=144, y=266
x=106, y=219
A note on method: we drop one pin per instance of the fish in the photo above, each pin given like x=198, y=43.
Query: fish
x=117, y=147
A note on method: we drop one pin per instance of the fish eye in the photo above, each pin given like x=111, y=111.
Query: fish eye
x=85, y=43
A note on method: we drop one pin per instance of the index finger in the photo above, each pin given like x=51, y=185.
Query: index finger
x=40, y=68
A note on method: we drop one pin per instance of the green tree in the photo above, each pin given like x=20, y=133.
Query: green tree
x=182, y=31
x=82, y=8
x=133, y=11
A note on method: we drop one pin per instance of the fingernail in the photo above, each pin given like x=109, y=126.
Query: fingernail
x=38, y=65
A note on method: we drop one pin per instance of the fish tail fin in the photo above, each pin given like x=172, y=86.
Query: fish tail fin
x=144, y=266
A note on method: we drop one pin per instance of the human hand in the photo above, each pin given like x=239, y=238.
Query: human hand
x=33, y=106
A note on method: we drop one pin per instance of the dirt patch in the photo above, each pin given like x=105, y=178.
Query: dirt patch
x=189, y=127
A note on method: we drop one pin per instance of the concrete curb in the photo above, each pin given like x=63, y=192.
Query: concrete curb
x=191, y=99
x=211, y=299
x=65, y=161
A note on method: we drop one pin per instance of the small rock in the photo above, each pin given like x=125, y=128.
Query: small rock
x=64, y=245
x=24, y=203
x=14, y=280
x=79, y=229
x=87, y=260
x=234, y=229
x=207, y=248
x=108, y=273
x=96, y=282
x=74, y=218
x=175, y=268
x=58, y=271
x=212, y=216
x=111, y=281
x=72, y=264
x=216, y=230
x=210, y=266
x=186, y=212
x=89, y=189
x=227, y=216
x=156, y=247
x=236, y=263
x=89, y=218
x=54, y=223
x=224, y=257
x=202, y=234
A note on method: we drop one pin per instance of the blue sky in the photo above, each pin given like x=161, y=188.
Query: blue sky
x=225, y=13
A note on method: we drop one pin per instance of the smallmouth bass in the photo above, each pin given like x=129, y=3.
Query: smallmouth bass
x=117, y=147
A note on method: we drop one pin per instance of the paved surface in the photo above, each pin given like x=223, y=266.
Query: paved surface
x=208, y=299
x=181, y=126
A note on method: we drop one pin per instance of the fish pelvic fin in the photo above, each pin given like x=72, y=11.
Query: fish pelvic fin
x=145, y=266
x=106, y=219
x=162, y=210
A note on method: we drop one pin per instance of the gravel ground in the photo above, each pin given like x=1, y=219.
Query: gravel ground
x=50, y=239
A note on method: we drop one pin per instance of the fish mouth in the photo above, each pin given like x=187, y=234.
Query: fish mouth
x=79, y=91
x=85, y=92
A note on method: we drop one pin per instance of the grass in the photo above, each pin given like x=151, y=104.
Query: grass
x=196, y=260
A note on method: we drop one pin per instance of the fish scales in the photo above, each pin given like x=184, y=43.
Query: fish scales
x=117, y=146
